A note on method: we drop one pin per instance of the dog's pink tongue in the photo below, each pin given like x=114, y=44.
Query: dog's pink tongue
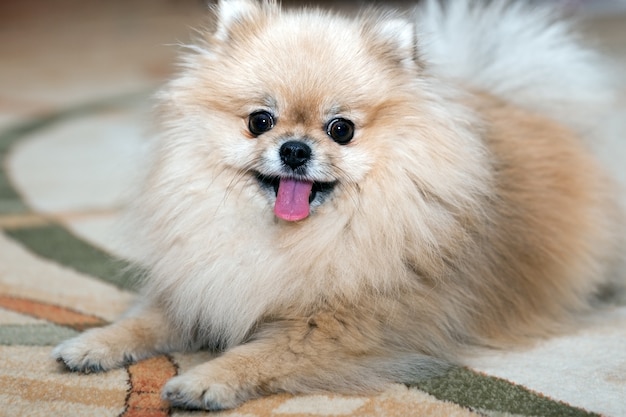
x=292, y=199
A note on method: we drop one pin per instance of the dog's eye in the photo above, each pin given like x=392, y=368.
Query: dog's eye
x=340, y=130
x=260, y=122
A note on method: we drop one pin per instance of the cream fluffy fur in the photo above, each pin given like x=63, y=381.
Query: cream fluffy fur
x=465, y=211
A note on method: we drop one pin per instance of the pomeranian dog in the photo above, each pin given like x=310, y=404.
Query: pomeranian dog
x=338, y=203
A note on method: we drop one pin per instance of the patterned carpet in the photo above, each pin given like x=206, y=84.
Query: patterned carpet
x=66, y=156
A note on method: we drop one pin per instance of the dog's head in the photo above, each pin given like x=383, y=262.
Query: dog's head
x=304, y=106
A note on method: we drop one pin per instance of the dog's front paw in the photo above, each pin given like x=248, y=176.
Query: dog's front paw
x=199, y=391
x=90, y=352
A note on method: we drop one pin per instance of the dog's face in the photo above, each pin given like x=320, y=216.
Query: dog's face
x=299, y=104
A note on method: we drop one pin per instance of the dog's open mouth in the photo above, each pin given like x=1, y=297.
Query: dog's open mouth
x=294, y=197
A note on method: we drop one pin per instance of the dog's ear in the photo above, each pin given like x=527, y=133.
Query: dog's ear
x=393, y=36
x=233, y=12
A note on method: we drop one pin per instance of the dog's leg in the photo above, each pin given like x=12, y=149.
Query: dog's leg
x=139, y=335
x=322, y=353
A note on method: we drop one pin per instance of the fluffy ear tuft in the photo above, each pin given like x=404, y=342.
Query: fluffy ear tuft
x=397, y=36
x=230, y=12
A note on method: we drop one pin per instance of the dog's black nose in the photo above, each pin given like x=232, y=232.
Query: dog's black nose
x=295, y=153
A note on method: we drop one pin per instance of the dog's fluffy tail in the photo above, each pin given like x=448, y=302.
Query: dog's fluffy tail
x=522, y=52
